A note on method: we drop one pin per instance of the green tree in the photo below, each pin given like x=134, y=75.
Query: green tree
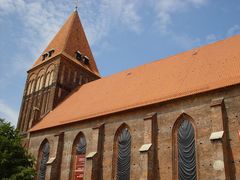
x=15, y=162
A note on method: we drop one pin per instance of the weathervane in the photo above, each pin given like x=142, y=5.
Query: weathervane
x=76, y=4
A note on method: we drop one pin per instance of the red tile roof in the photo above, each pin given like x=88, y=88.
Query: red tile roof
x=69, y=39
x=206, y=68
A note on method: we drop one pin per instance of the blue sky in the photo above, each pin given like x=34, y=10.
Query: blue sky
x=122, y=34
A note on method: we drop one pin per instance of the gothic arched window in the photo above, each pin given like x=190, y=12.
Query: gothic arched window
x=43, y=159
x=31, y=82
x=123, y=154
x=186, y=151
x=41, y=82
x=29, y=87
x=51, y=78
x=40, y=79
x=32, y=86
x=78, y=157
x=38, y=84
x=47, y=79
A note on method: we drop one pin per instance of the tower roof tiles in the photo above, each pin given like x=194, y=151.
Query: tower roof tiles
x=69, y=39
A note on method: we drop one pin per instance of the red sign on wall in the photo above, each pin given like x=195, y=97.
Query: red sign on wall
x=79, y=168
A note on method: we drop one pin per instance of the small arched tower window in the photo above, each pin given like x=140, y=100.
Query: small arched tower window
x=38, y=84
x=47, y=79
x=185, y=153
x=51, y=78
x=41, y=82
x=31, y=83
x=78, y=157
x=122, y=153
x=43, y=159
x=32, y=87
x=29, y=87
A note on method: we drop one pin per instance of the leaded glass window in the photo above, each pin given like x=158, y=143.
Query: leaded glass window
x=124, y=155
x=186, y=152
x=81, y=146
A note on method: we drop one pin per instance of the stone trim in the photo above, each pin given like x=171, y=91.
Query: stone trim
x=216, y=135
x=145, y=147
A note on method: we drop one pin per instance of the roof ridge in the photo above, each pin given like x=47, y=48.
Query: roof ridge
x=69, y=29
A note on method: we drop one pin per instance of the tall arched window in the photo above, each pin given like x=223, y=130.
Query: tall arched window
x=43, y=159
x=32, y=86
x=47, y=79
x=40, y=79
x=51, y=78
x=38, y=84
x=41, y=82
x=78, y=157
x=29, y=87
x=31, y=82
x=186, y=151
x=122, y=153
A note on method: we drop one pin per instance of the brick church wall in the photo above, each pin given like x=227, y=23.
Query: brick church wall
x=211, y=111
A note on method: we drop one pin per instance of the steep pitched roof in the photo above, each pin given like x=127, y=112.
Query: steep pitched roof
x=207, y=68
x=69, y=39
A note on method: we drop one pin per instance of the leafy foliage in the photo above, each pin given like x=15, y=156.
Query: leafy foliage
x=15, y=162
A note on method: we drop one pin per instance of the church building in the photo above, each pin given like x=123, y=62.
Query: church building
x=177, y=118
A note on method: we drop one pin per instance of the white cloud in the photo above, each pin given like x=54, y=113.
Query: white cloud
x=130, y=17
x=100, y=17
x=41, y=19
x=7, y=113
x=165, y=9
x=233, y=30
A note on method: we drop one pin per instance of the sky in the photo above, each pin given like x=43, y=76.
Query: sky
x=122, y=34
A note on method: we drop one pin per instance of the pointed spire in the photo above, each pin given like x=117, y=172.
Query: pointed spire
x=70, y=39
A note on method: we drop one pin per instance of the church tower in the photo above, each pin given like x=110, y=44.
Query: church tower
x=64, y=65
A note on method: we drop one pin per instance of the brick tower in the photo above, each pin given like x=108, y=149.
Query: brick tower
x=64, y=65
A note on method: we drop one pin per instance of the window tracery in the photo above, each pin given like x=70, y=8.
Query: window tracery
x=185, y=149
